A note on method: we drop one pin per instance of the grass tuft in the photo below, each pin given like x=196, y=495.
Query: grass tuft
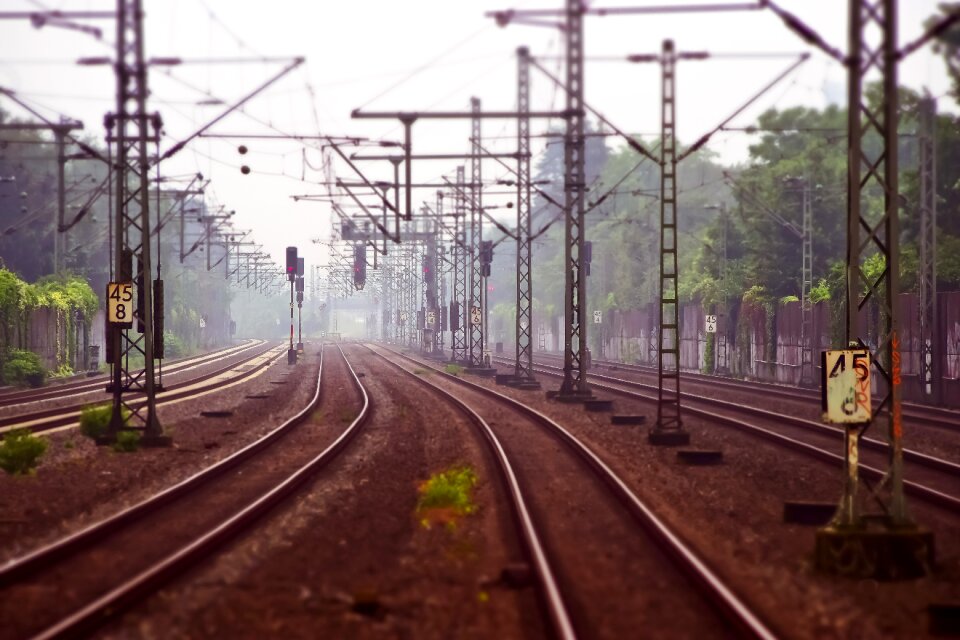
x=95, y=418
x=446, y=496
x=20, y=452
x=454, y=369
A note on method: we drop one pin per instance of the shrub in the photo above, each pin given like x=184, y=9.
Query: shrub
x=173, y=345
x=95, y=418
x=20, y=452
x=127, y=441
x=23, y=367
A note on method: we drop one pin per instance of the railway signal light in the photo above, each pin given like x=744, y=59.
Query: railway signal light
x=300, y=267
x=486, y=256
x=587, y=256
x=291, y=263
x=359, y=266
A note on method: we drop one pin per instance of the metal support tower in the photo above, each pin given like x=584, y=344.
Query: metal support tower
x=574, y=383
x=931, y=378
x=883, y=233
x=669, y=426
x=723, y=358
x=523, y=367
x=806, y=284
x=476, y=237
x=130, y=143
x=436, y=275
x=888, y=545
x=459, y=340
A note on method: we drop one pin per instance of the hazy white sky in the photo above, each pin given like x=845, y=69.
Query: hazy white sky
x=414, y=55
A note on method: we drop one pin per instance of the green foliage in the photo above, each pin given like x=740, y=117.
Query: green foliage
x=127, y=441
x=820, y=292
x=95, y=418
x=63, y=371
x=23, y=367
x=450, y=489
x=453, y=369
x=174, y=345
x=709, y=348
x=20, y=452
x=788, y=299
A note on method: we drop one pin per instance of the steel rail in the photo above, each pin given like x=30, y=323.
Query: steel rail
x=148, y=581
x=81, y=381
x=932, y=416
x=553, y=599
x=65, y=416
x=729, y=605
x=929, y=494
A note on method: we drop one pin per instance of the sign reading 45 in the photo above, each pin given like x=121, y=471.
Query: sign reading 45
x=846, y=386
x=120, y=304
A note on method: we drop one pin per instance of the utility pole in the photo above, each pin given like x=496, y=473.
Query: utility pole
x=459, y=307
x=806, y=285
x=574, y=386
x=477, y=337
x=523, y=367
x=130, y=139
x=931, y=349
x=668, y=429
x=900, y=548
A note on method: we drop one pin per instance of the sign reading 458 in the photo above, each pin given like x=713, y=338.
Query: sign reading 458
x=120, y=304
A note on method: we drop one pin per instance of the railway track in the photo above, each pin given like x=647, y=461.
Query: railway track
x=939, y=477
x=915, y=413
x=235, y=370
x=161, y=537
x=12, y=396
x=596, y=501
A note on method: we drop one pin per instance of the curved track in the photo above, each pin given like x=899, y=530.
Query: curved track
x=915, y=413
x=134, y=576
x=940, y=477
x=553, y=568
x=67, y=416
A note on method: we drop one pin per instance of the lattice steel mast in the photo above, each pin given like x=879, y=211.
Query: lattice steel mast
x=476, y=237
x=931, y=377
x=130, y=145
x=669, y=426
x=523, y=367
x=574, y=383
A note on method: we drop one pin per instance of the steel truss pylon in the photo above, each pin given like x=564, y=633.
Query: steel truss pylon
x=669, y=422
x=476, y=238
x=459, y=338
x=574, y=383
x=523, y=367
x=130, y=150
x=883, y=233
x=806, y=284
x=931, y=378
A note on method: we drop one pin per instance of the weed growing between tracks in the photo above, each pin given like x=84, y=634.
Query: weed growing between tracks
x=446, y=496
x=20, y=452
x=453, y=369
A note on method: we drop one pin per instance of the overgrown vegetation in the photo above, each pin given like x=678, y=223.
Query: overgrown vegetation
x=95, y=419
x=127, y=441
x=447, y=495
x=20, y=452
x=23, y=367
x=453, y=369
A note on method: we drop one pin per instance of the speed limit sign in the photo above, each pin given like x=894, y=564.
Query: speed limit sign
x=476, y=316
x=119, y=304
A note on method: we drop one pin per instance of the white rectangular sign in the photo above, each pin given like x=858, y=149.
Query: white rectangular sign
x=476, y=316
x=120, y=303
x=846, y=386
x=597, y=317
x=711, y=324
x=431, y=318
